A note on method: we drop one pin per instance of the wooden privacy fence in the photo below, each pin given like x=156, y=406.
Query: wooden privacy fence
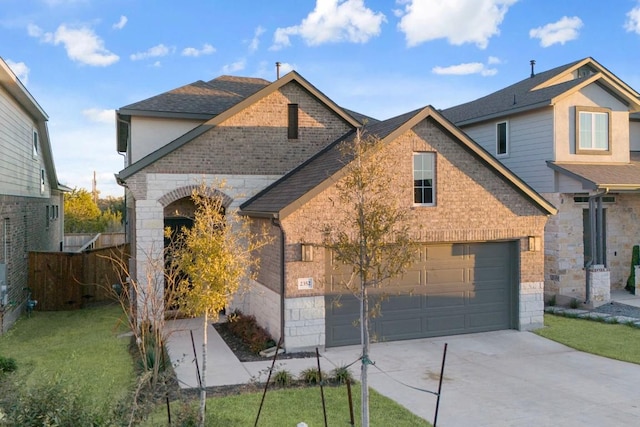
x=72, y=280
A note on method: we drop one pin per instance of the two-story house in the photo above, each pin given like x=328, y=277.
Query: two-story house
x=569, y=133
x=276, y=144
x=31, y=199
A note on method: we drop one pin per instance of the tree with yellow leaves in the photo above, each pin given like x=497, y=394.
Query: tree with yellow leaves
x=215, y=256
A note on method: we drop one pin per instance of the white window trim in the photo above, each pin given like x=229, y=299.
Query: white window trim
x=433, y=179
x=508, y=142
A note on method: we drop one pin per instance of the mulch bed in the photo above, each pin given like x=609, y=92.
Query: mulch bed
x=242, y=351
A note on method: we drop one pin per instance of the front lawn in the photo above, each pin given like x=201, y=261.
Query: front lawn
x=615, y=341
x=288, y=407
x=79, y=349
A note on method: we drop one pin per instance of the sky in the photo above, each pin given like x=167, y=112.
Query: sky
x=83, y=59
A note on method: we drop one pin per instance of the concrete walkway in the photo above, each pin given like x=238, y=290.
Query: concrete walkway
x=504, y=378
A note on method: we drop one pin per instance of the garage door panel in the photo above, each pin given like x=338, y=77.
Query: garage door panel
x=446, y=324
x=451, y=299
x=452, y=275
x=467, y=288
x=445, y=252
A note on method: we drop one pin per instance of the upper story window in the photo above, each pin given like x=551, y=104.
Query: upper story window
x=424, y=177
x=35, y=144
x=42, y=181
x=502, y=139
x=292, y=117
x=593, y=130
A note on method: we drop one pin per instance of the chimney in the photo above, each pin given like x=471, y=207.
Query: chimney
x=278, y=70
x=532, y=62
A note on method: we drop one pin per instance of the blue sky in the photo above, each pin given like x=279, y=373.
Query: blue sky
x=83, y=59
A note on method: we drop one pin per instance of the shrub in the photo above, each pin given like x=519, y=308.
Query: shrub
x=7, y=364
x=247, y=329
x=51, y=404
x=283, y=378
x=312, y=376
x=574, y=303
x=341, y=375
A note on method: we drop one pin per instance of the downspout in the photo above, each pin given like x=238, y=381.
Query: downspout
x=276, y=222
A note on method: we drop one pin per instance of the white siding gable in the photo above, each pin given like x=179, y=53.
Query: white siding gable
x=151, y=134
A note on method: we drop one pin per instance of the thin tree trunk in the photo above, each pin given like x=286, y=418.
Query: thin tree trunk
x=203, y=390
x=364, y=336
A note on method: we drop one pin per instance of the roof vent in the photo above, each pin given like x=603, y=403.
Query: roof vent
x=278, y=70
x=532, y=62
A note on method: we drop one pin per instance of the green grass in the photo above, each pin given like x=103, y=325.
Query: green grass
x=615, y=341
x=288, y=407
x=80, y=348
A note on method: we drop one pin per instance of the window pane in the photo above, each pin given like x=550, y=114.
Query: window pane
x=585, y=130
x=501, y=144
x=423, y=178
x=601, y=131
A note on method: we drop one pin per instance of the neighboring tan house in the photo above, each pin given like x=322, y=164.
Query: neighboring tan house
x=276, y=144
x=570, y=134
x=31, y=199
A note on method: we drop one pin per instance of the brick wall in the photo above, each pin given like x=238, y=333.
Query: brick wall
x=473, y=204
x=28, y=229
x=254, y=141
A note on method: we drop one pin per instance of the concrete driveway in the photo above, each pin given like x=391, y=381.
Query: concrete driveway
x=504, y=378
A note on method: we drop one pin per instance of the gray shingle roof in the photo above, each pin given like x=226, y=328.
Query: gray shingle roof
x=207, y=98
x=604, y=175
x=516, y=97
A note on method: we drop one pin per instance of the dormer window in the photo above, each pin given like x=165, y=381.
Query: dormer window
x=593, y=130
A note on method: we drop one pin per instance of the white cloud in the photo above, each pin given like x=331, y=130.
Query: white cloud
x=632, y=24
x=97, y=115
x=458, y=21
x=236, y=66
x=121, y=23
x=20, y=69
x=465, y=69
x=333, y=21
x=494, y=60
x=207, y=49
x=255, y=41
x=562, y=31
x=153, y=52
x=81, y=43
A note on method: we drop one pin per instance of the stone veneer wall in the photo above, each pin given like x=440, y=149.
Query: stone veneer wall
x=531, y=306
x=564, y=248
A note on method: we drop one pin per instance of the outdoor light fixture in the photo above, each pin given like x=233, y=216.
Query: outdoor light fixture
x=306, y=252
x=535, y=243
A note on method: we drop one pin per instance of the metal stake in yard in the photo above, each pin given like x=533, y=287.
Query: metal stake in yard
x=273, y=363
x=195, y=355
x=324, y=406
x=444, y=358
x=353, y=422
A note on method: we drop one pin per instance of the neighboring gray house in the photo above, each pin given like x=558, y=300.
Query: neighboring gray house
x=276, y=145
x=31, y=199
x=572, y=134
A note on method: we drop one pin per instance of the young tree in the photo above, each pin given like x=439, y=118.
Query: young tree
x=215, y=257
x=372, y=236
